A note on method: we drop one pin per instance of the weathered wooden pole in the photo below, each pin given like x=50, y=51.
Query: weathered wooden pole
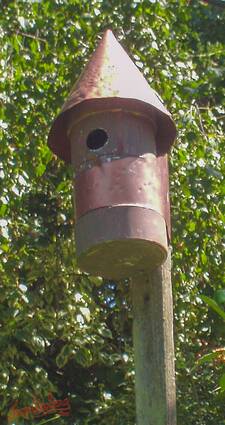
x=153, y=346
x=116, y=132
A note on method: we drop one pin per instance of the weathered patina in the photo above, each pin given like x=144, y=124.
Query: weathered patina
x=116, y=132
x=111, y=81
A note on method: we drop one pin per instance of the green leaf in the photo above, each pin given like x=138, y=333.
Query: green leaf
x=96, y=280
x=3, y=209
x=64, y=355
x=106, y=332
x=213, y=305
x=219, y=296
x=4, y=247
x=84, y=357
x=204, y=258
x=62, y=186
x=40, y=170
x=191, y=226
x=222, y=382
x=207, y=358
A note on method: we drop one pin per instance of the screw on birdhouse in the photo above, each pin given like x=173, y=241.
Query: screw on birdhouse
x=117, y=133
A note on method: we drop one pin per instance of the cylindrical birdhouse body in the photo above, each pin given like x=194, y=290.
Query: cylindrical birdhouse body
x=116, y=133
x=120, y=224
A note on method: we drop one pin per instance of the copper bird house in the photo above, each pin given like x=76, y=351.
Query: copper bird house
x=116, y=132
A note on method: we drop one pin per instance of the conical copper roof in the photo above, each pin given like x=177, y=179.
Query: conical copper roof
x=110, y=81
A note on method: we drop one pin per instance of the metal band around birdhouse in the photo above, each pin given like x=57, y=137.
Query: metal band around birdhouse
x=119, y=241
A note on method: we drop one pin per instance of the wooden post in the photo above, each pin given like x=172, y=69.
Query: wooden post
x=153, y=347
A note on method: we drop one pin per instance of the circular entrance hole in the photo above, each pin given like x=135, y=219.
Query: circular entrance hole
x=97, y=139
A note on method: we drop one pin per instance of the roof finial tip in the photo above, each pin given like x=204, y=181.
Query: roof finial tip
x=108, y=33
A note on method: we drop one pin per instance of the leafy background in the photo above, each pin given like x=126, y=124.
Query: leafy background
x=68, y=333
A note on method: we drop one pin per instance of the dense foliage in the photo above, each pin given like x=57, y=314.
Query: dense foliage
x=66, y=333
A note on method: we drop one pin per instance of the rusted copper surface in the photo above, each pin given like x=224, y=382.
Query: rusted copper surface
x=127, y=181
x=117, y=242
x=163, y=169
x=111, y=81
x=120, y=174
x=128, y=135
x=125, y=171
